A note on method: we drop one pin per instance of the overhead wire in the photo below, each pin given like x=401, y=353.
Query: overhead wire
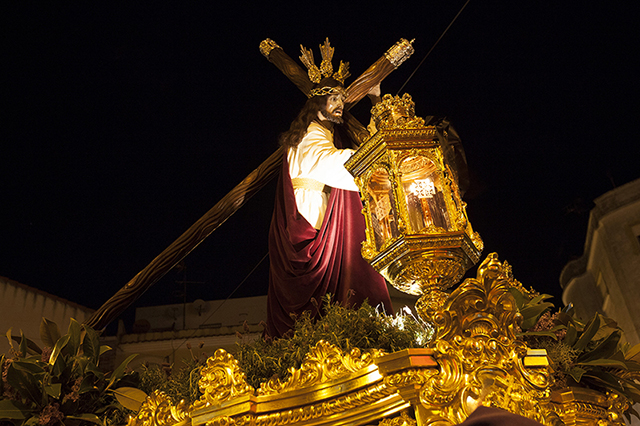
x=434, y=45
x=219, y=306
x=267, y=254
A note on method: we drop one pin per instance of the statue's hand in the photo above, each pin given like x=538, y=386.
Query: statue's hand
x=374, y=94
x=375, y=90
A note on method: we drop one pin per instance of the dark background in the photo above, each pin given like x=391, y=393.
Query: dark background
x=124, y=123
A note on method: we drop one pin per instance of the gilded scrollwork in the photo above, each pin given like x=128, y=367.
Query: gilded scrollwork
x=586, y=406
x=480, y=361
x=395, y=112
x=324, y=362
x=222, y=421
x=158, y=410
x=402, y=420
x=479, y=354
x=324, y=408
x=221, y=380
x=409, y=377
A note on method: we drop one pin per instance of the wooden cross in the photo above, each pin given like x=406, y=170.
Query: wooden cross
x=250, y=185
x=377, y=72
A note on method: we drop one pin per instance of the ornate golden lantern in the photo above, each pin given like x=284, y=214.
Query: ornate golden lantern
x=418, y=235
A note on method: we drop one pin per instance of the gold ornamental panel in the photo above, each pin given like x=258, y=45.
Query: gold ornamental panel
x=581, y=406
x=475, y=358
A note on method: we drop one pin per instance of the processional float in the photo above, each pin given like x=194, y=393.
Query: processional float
x=419, y=237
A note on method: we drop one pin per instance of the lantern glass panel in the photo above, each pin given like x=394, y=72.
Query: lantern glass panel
x=382, y=208
x=423, y=189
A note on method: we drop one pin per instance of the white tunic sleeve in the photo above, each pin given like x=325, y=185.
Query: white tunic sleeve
x=317, y=158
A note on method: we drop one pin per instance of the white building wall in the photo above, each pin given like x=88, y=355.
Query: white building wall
x=607, y=277
x=23, y=307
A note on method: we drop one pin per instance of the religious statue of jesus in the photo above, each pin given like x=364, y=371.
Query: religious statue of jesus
x=317, y=225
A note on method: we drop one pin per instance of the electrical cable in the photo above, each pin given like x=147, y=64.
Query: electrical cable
x=434, y=45
x=220, y=306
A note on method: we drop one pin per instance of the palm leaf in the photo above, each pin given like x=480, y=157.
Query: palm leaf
x=632, y=353
x=604, y=362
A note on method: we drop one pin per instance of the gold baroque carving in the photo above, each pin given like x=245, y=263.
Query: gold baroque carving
x=395, y=112
x=324, y=362
x=586, y=406
x=480, y=362
x=222, y=421
x=158, y=410
x=402, y=420
x=331, y=407
x=221, y=380
x=410, y=377
x=479, y=354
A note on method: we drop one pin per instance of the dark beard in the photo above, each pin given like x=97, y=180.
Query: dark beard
x=331, y=117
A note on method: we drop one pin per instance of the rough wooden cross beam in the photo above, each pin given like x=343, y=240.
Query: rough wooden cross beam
x=239, y=195
x=377, y=72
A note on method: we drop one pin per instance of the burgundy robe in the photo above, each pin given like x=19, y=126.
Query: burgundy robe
x=306, y=263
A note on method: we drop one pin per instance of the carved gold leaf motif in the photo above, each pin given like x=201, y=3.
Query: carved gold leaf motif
x=324, y=362
x=479, y=362
x=221, y=380
x=158, y=410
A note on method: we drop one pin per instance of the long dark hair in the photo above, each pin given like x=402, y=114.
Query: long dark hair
x=309, y=112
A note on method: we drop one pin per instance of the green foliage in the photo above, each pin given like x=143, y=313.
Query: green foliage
x=178, y=382
x=364, y=328
x=587, y=354
x=62, y=384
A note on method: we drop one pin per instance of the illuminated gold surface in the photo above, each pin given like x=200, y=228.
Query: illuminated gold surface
x=418, y=235
x=399, y=52
x=480, y=357
x=222, y=379
x=402, y=420
x=330, y=388
x=394, y=112
x=158, y=411
x=475, y=358
x=580, y=406
x=326, y=67
x=267, y=45
x=325, y=362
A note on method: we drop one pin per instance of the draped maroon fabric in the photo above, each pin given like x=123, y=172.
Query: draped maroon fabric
x=306, y=263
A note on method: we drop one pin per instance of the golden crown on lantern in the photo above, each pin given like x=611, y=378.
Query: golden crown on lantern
x=326, y=67
x=395, y=112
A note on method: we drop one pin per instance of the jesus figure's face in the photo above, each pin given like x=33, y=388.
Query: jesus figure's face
x=334, y=108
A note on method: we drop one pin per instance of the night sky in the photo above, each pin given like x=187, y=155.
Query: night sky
x=123, y=124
